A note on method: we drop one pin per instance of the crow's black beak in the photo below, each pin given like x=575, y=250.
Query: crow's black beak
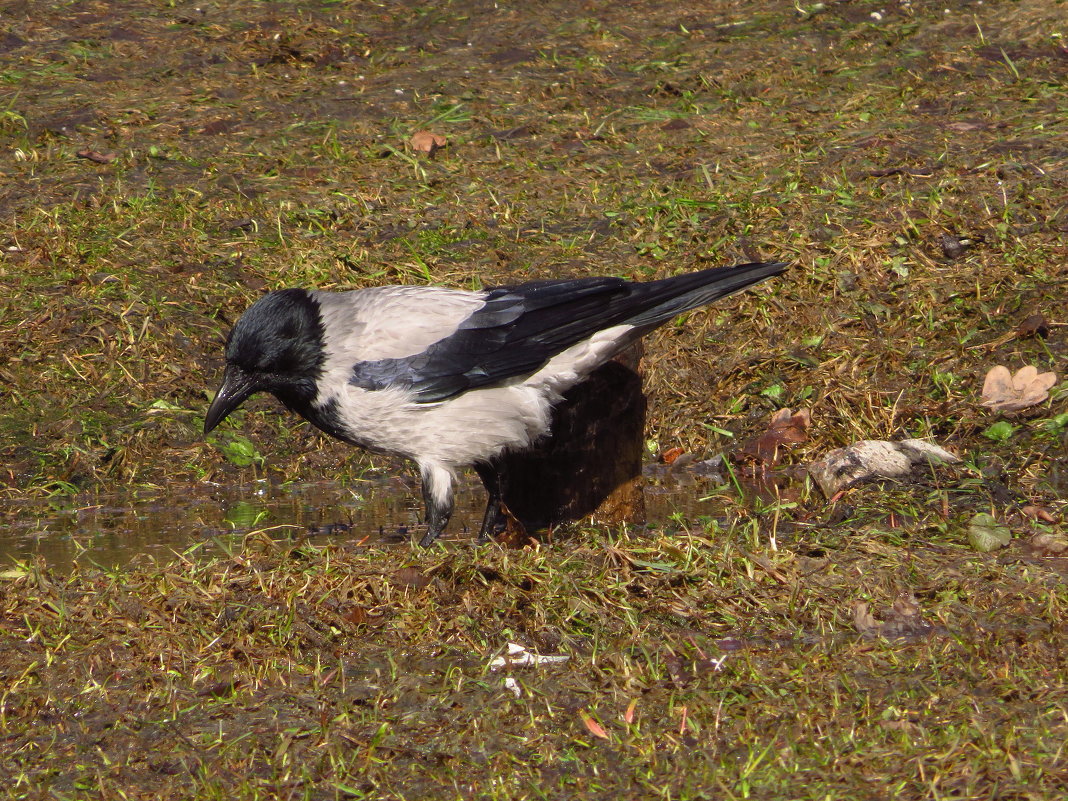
x=237, y=385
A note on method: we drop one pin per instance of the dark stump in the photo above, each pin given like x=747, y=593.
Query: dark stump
x=591, y=465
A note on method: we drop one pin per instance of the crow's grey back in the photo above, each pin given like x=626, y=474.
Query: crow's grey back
x=391, y=322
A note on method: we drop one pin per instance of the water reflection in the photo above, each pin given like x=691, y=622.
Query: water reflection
x=110, y=530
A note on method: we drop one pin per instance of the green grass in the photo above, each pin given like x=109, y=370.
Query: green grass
x=335, y=666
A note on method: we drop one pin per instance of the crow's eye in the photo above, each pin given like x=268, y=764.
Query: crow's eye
x=285, y=362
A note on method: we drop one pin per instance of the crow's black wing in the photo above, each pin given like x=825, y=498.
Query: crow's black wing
x=520, y=328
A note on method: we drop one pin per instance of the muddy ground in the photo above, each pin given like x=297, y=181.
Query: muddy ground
x=164, y=163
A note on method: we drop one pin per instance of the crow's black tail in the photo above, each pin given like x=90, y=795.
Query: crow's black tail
x=673, y=296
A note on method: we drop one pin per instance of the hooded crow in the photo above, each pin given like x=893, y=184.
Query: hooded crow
x=445, y=377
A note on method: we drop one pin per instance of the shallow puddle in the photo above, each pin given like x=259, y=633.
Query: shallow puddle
x=111, y=530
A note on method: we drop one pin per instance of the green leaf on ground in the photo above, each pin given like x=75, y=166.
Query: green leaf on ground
x=999, y=431
x=239, y=450
x=985, y=534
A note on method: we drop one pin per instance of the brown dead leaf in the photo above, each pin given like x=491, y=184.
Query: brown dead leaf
x=966, y=125
x=902, y=619
x=95, y=156
x=216, y=127
x=594, y=728
x=411, y=577
x=906, y=606
x=671, y=454
x=427, y=142
x=357, y=615
x=863, y=620
x=785, y=428
x=1034, y=325
x=677, y=124
x=1044, y=544
x=1037, y=513
x=1007, y=392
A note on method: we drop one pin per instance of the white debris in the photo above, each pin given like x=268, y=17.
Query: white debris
x=518, y=655
x=870, y=458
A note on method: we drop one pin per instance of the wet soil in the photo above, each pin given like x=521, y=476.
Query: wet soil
x=207, y=520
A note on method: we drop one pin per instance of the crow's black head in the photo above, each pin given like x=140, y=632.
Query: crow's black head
x=276, y=347
x=280, y=336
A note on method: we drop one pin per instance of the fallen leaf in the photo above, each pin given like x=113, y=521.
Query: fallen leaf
x=1034, y=325
x=95, y=156
x=677, y=124
x=594, y=728
x=1007, y=392
x=218, y=127
x=427, y=142
x=785, y=428
x=410, y=577
x=864, y=620
x=628, y=715
x=986, y=534
x=671, y=454
x=906, y=606
x=874, y=458
x=1037, y=513
x=848, y=282
x=902, y=619
x=964, y=125
x=1048, y=544
x=357, y=615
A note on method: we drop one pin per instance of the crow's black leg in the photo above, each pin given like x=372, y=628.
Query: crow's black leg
x=493, y=521
x=437, y=498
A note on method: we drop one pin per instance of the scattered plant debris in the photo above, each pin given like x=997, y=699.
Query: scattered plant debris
x=953, y=247
x=1045, y=543
x=411, y=577
x=1007, y=392
x=1034, y=325
x=1037, y=513
x=517, y=654
x=96, y=156
x=902, y=619
x=329, y=672
x=671, y=455
x=592, y=726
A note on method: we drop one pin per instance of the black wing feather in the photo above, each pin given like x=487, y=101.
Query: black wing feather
x=520, y=328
